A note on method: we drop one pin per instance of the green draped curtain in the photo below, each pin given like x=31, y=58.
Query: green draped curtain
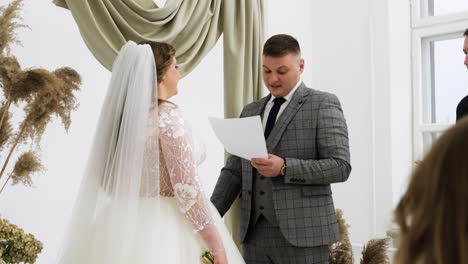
x=193, y=27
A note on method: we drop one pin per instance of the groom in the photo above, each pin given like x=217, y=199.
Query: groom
x=287, y=213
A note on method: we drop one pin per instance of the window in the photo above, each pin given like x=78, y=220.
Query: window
x=440, y=80
x=443, y=7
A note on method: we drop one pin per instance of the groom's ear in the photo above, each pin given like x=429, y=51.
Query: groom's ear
x=301, y=65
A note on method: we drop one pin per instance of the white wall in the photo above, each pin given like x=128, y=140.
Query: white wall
x=401, y=102
x=358, y=50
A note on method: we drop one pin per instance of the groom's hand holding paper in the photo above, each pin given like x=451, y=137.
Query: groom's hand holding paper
x=270, y=167
x=242, y=137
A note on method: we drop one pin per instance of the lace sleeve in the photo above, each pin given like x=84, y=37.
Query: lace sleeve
x=177, y=149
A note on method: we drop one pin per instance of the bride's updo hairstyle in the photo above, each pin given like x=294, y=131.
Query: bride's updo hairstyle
x=163, y=56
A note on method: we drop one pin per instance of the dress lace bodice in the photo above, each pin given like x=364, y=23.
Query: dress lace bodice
x=178, y=160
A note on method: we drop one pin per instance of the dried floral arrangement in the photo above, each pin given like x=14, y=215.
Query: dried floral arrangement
x=341, y=252
x=40, y=95
x=16, y=246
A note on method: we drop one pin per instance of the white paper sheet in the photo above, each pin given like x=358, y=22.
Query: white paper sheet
x=242, y=137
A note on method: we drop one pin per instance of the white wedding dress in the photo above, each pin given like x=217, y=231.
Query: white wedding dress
x=183, y=207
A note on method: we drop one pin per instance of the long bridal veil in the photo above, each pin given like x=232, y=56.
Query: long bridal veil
x=119, y=176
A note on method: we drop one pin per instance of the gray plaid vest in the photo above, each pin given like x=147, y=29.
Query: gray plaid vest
x=262, y=200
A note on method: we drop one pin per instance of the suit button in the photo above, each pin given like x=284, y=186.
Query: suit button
x=262, y=192
x=262, y=177
x=249, y=192
x=261, y=207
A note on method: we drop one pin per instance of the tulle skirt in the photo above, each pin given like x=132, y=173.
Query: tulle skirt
x=161, y=236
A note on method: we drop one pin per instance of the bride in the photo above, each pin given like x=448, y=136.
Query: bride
x=140, y=200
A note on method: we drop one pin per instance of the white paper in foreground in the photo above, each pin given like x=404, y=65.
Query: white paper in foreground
x=242, y=137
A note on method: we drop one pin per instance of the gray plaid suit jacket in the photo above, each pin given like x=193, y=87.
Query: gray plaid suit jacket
x=311, y=134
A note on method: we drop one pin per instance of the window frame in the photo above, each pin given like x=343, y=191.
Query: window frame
x=418, y=19
x=423, y=31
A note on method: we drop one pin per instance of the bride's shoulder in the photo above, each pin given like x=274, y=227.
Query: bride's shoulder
x=170, y=117
x=166, y=107
x=166, y=104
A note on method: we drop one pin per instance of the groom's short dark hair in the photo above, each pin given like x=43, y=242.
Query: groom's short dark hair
x=466, y=33
x=280, y=45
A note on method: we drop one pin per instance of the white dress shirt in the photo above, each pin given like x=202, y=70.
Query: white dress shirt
x=270, y=104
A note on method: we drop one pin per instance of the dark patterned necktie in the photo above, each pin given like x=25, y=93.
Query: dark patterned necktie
x=273, y=114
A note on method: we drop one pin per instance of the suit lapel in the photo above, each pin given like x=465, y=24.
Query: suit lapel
x=297, y=101
x=259, y=107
